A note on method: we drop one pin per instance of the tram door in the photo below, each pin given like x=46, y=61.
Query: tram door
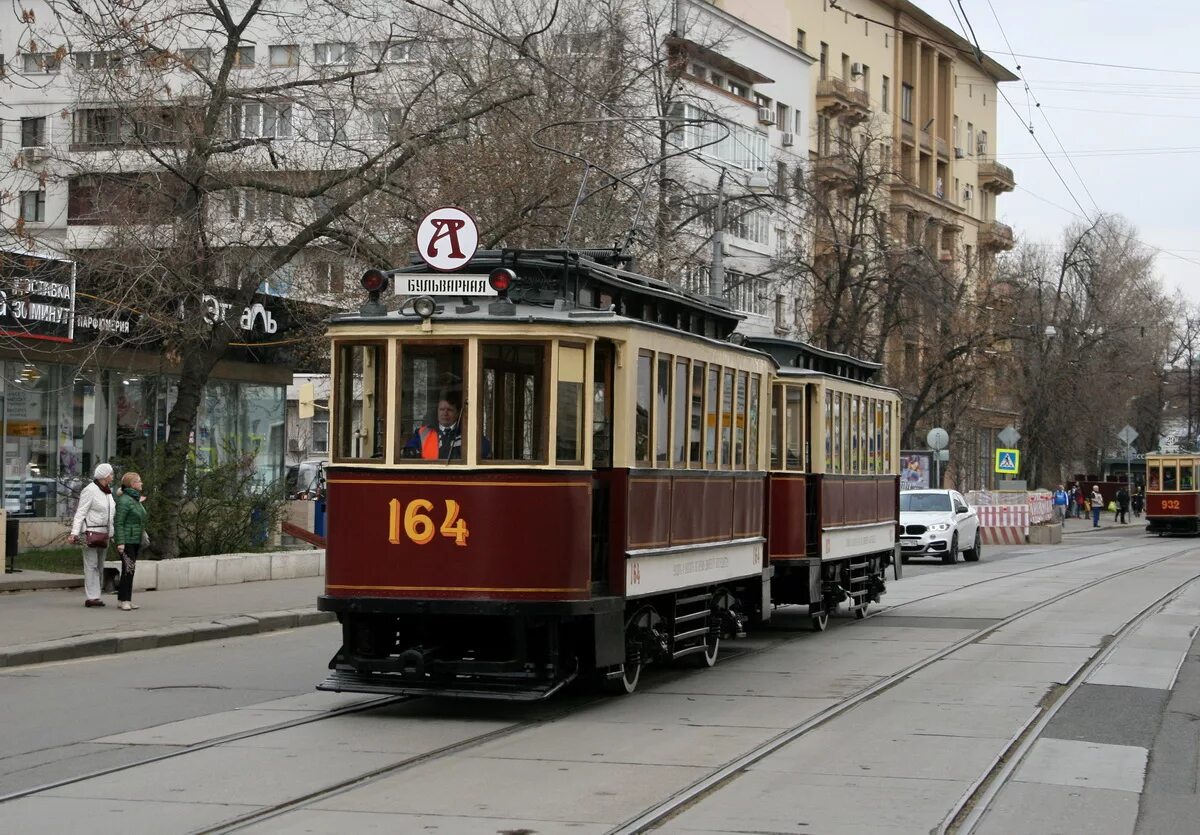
x=602, y=457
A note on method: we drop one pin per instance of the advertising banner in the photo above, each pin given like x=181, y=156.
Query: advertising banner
x=37, y=297
x=916, y=467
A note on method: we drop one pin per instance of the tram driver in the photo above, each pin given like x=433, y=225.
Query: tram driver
x=442, y=440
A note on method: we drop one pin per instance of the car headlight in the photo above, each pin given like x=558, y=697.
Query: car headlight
x=940, y=526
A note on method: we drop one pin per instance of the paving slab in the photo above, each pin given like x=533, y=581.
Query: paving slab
x=1112, y=715
x=713, y=711
x=1060, y=810
x=372, y=734
x=321, y=822
x=1097, y=765
x=41, y=813
x=202, y=728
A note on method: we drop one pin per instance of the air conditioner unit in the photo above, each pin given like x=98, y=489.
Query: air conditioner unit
x=34, y=154
x=789, y=139
x=766, y=116
x=958, y=153
x=856, y=70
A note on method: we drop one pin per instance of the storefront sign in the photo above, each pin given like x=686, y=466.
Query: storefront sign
x=37, y=298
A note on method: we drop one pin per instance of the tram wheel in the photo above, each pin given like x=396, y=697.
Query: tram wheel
x=631, y=670
x=820, y=620
x=712, y=647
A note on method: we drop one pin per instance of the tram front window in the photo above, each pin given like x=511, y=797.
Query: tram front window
x=1169, y=482
x=361, y=401
x=433, y=411
x=1185, y=477
x=514, y=401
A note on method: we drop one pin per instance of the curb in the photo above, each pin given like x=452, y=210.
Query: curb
x=35, y=585
x=82, y=646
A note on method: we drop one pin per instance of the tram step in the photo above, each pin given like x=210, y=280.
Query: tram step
x=697, y=598
x=348, y=681
x=691, y=616
x=693, y=633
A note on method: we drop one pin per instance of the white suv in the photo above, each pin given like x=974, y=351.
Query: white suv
x=938, y=523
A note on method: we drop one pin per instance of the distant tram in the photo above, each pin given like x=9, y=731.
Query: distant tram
x=624, y=480
x=1172, y=495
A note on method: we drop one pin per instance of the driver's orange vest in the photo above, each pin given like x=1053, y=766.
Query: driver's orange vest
x=429, y=442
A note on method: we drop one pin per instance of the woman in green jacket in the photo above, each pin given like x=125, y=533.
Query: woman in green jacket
x=130, y=526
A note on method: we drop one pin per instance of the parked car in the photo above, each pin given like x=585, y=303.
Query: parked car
x=938, y=523
x=305, y=480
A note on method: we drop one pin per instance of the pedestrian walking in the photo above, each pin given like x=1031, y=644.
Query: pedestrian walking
x=1081, y=499
x=130, y=533
x=1123, y=506
x=1097, y=505
x=92, y=527
x=1139, y=503
x=1060, y=505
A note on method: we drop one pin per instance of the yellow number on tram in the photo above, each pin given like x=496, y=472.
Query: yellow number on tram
x=413, y=521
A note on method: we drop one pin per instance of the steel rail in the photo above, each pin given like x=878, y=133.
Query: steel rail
x=731, y=770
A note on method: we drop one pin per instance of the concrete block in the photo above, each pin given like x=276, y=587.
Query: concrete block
x=256, y=567
x=20, y=655
x=271, y=621
x=308, y=564
x=311, y=617
x=66, y=648
x=284, y=566
x=230, y=568
x=240, y=625
x=201, y=571
x=321, y=564
x=146, y=576
x=1045, y=534
x=136, y=640
x=208, y=631
x=173, y=636
x=172, y=574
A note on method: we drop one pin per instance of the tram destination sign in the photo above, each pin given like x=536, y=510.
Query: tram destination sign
x=37, y=297
x=450, y=284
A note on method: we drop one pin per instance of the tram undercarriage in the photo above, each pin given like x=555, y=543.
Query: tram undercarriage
x=823, y=585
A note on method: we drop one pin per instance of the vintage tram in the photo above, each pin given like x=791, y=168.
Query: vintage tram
x=625, y=480
x=1172, y=500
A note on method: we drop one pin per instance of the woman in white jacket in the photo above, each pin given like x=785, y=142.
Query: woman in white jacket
x=95, y=515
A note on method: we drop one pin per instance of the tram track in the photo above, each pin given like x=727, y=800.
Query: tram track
x=662, y=812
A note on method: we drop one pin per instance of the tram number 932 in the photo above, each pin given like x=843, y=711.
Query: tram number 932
x=1170, y=504
x=413, y=522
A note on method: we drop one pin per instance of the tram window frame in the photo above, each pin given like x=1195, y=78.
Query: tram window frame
x=892, y=465
x=662, y=410
x=1170, y=484
x=563, y=393
x=798, y=432
x=539, y=440
x=602, y=405
x=404, y=433
x=778, y=428
x=643, y=410
x=696, y=416
x=838, y=460
x=679, y=413
x=726, y=419
x=753, y=407
x=855, y=445
x=712, y=418
x=828, y=431
x=741, y=409
x=1154, y=477
x=1187, y=476
x=344, y=400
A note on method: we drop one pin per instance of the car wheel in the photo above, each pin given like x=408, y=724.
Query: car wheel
x=976, y=551
x=951, y=556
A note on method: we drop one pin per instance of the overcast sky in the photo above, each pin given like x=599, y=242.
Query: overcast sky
x=1100, y=109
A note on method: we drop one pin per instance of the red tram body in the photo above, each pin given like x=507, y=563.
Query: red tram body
x=1172, y=495
x=611, y=492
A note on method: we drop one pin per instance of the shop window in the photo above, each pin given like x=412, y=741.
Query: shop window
x=679, y=415
x=515, y=405
x=261, y=412
x=431, y=419
x=662, y=411
x=362, y=401
x=641, y=429
x=696, y=447
x=568, y=445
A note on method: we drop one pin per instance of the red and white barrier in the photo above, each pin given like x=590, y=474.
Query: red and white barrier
x=1041, y=508
x=1003, y=524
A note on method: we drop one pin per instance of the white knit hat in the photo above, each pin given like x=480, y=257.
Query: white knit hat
x=102, y=471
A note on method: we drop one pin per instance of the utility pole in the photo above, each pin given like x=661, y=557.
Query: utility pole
x=716, y=270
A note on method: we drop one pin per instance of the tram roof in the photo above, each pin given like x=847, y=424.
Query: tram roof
x=796, y=357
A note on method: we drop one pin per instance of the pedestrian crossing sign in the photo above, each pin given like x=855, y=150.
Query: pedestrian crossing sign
x=1008, y=461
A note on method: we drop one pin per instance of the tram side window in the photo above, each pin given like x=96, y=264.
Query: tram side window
x=711, y=417
x=662, y=412
x=696, y=453
x=362, y=401
x=514, y=400
x=432, y=416
x=1154, y=477
x=641, y=429
x=828, y=431
x=890, y=464
x=569, y=433
x=727, y=418
x=739, y=426
x=837, y=432
x=777, y=427
x=795, y=428
x=1185, y=477
x=602, y=424
x=679, y=415
x=752, y=422
x=1169, y=482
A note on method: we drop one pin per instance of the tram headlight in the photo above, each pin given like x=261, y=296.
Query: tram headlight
x=424, y=306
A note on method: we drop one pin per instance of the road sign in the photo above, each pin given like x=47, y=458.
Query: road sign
x=447, y=239
x=1128, y=435
x=1008, y=461
x=1010, y=436
x=937, y=438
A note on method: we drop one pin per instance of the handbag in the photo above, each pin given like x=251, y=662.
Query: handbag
x=1112, y=507
x=145, y=539
x=96, y=539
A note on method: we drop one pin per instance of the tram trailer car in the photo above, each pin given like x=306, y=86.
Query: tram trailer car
x=1172, y=496
x=605, y=507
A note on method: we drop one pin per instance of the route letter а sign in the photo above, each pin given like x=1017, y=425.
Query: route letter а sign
x=1008, y=461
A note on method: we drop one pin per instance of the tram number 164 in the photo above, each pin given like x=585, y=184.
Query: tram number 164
x=413, y=522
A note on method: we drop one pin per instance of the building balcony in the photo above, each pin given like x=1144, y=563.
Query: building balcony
x=996, y=177
x=838, y=100
x=995, y=235
x=833, y=169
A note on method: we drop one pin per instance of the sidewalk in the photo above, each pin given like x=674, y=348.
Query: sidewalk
x=1107, y=525
x=53, y=624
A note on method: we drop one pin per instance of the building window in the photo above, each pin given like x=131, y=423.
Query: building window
x=747, y=293
x=886, y=95
x=735, y=144
x=330, y=125
x=42, y=62
x=782, y=111
x=983, y=143
x=394, y=52
x=325, y=54
x=906, y=103
x=739, y=89
x=970, y=139
x=243, y=58
x=845, y=67
x=957, y=144
x=251, y=204
x=198, y=58
x=800, y=39
x=320, y=431
x=254, y=120
x=94, y=60
x=386, y=123
x=33, y=206
x=285, y=55
x=699, y=71
x=33, y=132
x=824, y=61
x=99, y=126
